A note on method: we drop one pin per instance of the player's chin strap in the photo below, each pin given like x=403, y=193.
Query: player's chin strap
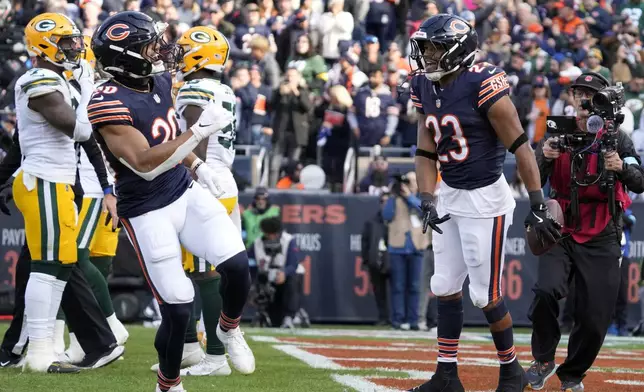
x=523, y=138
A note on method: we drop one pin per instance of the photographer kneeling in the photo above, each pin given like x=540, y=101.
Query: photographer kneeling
x=278, y=264
x=589, y=167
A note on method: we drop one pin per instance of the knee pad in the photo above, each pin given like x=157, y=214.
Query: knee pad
x=479, y=296
x=175, y=290
x=442, y=287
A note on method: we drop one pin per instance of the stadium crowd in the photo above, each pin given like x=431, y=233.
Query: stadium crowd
x=313, y=77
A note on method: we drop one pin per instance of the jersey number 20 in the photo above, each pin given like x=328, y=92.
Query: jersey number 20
x=166, y=127
x=456, y=155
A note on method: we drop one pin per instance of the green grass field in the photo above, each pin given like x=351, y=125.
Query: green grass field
x=276, y=371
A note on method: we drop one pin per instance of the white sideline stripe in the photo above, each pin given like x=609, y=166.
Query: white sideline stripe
x=266, y=339
x=313, y=360
x=624, y=382
x=360, y=384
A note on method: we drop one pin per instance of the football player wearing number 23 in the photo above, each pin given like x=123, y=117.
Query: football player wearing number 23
x=466, y=123
x=160, y=207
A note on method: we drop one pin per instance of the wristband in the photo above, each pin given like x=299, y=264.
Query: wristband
x=195, y=165
x=426, y=196
x=536, y=197
x=109, y=190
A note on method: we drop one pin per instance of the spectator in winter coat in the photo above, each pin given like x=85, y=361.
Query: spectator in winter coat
x=310, y=64
x=335, y=26
x=255, y=124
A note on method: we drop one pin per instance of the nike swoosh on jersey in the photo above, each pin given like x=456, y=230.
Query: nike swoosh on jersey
x=492, y=71
x=98, y=98
x=535, y=215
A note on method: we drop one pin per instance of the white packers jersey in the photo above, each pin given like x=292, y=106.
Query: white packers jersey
x=47, y=152
x=221, y=149
x=89, y=179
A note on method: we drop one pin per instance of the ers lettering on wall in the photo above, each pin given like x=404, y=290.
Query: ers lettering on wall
x=333, y=214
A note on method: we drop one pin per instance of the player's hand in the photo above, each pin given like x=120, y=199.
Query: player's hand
x=109, y=206
x=6, y=195
x=84, y=74
x=385, y=141
x=213, y=118
x=430, y=215
x=547, y=228
x=206, y=177
x=550, y=152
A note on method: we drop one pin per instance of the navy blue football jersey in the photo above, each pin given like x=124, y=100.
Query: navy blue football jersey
x=372, y=108
x=470, y=153
x=153, y=115
x=244, y=33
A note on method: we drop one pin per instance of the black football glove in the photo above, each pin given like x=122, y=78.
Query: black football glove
x=6, y=195
x=547, y=229
x=430, y=215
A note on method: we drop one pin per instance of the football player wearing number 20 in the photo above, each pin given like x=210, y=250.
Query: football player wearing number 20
x=466, y=122
x=160, y=207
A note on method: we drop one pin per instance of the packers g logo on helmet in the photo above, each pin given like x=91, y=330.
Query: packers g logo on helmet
x=54, y=38
x=202, y=48
x=200, y=36
x=45, y=25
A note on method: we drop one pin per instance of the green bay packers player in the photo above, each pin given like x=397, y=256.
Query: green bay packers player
x=97, y=236
x=204, y=52
x=49, y=126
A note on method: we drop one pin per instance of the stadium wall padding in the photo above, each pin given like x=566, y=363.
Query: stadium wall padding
x=328, y=230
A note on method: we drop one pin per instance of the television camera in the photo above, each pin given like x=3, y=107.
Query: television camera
x=601, y=138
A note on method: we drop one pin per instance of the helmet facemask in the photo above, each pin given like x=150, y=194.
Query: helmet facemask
x=70, y=50
x=162, y=55
x=436, y=59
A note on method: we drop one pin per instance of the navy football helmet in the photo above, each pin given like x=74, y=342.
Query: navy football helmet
x=443, y=44
x=132, y=44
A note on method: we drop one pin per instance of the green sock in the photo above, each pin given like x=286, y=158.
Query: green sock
x=96, y=281
x=103, y=263
x=211, y=303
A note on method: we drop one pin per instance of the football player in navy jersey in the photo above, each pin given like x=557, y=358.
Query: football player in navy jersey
x=159, y=205
x=466, y=123
x=375, y=114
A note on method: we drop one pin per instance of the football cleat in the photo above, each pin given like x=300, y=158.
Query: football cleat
x=572, y=386
x=176, y=388
x=444, y=380
x=211, y=365
x=240, y=354
x=192, y=355
x=9, y=360
x=63, y=368
x=98, y=360
x=512, y=377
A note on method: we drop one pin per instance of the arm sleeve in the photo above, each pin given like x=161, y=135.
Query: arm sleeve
x=414, y=202
x=545, y=165
x=95, y=157
x=493, y=86
x=11, y=161
x=633, y=174
x=106, y=110
x=292, y=258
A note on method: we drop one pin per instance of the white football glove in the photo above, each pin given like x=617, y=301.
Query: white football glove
x=206, y=177
x=213, y=118
x=84, y=75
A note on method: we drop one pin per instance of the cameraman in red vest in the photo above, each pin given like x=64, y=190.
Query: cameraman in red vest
x=589, y=251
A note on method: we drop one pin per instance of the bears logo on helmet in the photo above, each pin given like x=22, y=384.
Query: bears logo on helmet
x=442, y=45
x=132, y=44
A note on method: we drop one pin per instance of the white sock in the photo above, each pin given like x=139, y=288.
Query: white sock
x=38, y=304
x=191, y=347
x=56, y=297
x=75, y=351
x=59, y=337
x=119, y=331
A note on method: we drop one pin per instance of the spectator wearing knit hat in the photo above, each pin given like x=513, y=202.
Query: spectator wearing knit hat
x=594, y=60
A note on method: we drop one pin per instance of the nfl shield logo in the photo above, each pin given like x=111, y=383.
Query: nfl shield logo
x=157, y=99
x=438, y=103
